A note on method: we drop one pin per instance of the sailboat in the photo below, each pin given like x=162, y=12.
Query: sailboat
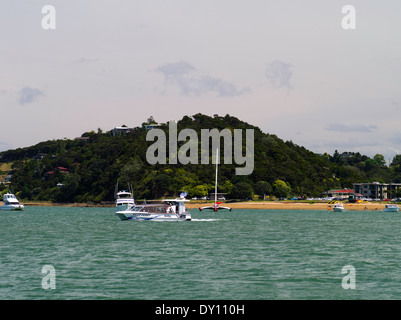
x=217, y=205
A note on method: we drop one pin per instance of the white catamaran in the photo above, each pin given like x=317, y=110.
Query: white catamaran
x=216, y=205
x=169, y=210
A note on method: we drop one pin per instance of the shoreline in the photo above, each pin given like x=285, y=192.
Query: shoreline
x=266, y=205
x=277, y=205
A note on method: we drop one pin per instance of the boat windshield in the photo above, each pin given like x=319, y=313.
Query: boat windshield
x=124, y=195
x=153, y=208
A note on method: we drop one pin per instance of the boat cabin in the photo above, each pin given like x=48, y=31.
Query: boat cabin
x=9, y=198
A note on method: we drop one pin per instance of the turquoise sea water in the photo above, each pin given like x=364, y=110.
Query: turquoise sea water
x=245, y=254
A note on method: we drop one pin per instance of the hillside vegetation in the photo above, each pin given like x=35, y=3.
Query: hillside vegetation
x=88, y=169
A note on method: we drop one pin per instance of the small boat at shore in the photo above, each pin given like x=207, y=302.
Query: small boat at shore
x=338, y=207
x=11, y=203
x=391, y=208
x=169, y=210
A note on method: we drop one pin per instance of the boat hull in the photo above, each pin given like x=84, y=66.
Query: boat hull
x=213, y=208
x=124, y=205
x=391, y=209
x=17, y=207
x=148, y=216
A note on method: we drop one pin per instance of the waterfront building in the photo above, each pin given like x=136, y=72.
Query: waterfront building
x=376, y=190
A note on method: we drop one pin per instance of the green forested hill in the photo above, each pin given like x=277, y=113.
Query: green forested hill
x=89, y=168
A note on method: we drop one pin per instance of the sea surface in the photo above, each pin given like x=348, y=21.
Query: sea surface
x=243, y=254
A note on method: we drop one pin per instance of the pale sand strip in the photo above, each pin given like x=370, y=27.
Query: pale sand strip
x=276, y=205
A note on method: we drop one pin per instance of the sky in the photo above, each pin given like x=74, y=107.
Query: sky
x=293, y=68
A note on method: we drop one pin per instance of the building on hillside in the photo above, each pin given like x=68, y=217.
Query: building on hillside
x=152, y=126
x=121, y=131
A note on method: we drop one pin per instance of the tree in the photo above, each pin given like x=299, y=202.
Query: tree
x=199, y=191
x=242, y=190
x=151, y=120
x=68, y=191
x=227, y=187
x=263, y=187
x=380, y=159
x=281, y=189
x=161, y=184
x=396, y=163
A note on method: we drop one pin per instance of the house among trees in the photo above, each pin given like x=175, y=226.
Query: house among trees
x=121, y=130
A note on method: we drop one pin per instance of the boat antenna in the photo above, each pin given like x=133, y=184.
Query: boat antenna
x=116, y=190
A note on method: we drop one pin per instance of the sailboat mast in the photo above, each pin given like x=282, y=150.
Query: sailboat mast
x=215, y=187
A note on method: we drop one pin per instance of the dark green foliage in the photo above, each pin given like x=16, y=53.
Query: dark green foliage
x=89, y=169
x=263, y=187
x=242, y=190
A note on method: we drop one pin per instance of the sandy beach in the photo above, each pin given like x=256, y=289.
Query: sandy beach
x=266, y=205
x=285, y=205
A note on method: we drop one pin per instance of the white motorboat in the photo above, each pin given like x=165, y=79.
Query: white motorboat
x=216, y=205
x=169, y=210
x=338, y=207
x=391, y=208
x=124, y=200
x=11, y=203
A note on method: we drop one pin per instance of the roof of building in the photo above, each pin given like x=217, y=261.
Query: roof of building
x=342, y=191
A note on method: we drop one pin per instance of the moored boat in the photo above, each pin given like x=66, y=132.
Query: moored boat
x=124, y=200
x=169, y=210
x=11, y=203
x=338, y=207
x=391, y=208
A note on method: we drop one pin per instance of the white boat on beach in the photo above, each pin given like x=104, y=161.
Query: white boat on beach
x=11, y=203
x=391, y=208
x=338, y=207
x=169, y=210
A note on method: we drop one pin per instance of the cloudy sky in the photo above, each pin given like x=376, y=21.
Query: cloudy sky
x=288, y=67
